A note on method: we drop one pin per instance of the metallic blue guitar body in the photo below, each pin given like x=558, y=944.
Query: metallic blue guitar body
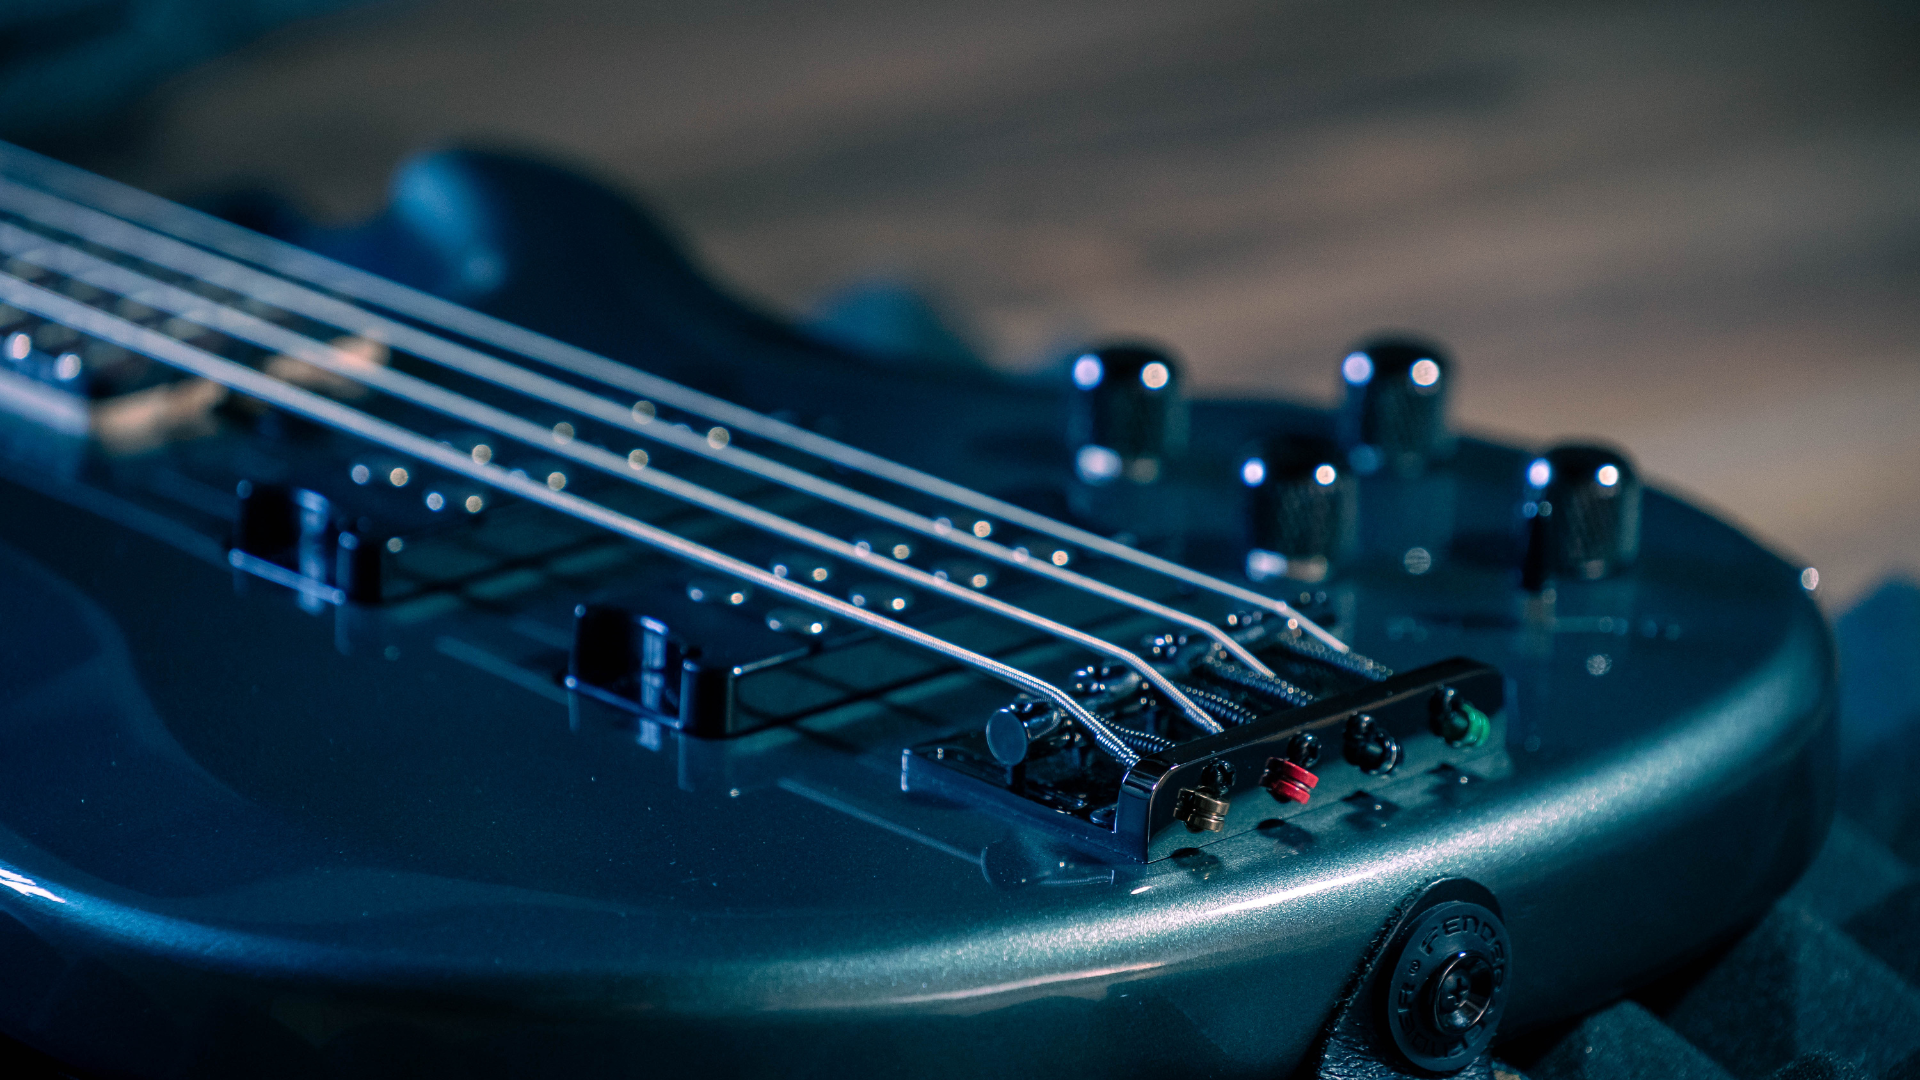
x=347, y=729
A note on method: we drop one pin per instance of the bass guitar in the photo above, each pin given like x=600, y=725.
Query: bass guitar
x=473, y=644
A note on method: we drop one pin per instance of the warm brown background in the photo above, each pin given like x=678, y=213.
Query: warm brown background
x=1691, y=228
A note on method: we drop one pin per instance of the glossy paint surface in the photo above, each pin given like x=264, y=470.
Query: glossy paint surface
x=206, y=805
x=240, y=837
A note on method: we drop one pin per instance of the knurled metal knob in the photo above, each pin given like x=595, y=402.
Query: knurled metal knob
x=1584, y=502
x=1300, y=508
x=1395, y=414
x=1127, y=418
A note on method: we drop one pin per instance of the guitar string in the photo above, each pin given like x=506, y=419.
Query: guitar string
x=91, y=270
x=195, y=262
x=135, y=205
x=161, y=251
x=235, y=376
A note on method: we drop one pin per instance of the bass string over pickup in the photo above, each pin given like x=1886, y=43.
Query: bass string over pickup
x=86, y=260
x=50, y=214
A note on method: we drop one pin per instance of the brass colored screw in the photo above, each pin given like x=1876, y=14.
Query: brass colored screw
x=1201, y=812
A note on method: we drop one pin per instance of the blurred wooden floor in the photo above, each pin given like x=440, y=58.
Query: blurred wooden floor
x=1691, y=228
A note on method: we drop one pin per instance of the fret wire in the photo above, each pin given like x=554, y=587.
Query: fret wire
x=80, y=266
x=239, y=377
x=296, y=262
x=207, y=267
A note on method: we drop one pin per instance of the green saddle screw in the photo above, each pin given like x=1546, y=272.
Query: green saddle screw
x=1464, y=725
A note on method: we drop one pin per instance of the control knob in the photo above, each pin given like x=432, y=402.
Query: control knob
x=1127, y=417
x=1300, y=508
x=1583, y=503
x=1394, y=415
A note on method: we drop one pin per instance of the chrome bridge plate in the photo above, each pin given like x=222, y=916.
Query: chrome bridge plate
x=1147, y=813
